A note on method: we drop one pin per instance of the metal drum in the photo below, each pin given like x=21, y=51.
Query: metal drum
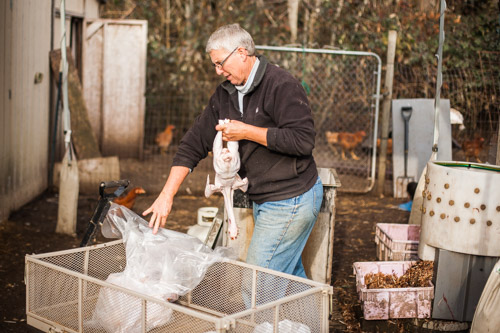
x=461, y=209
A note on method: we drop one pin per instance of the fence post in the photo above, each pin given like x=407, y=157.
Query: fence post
x=498, y=145
x=386, y=109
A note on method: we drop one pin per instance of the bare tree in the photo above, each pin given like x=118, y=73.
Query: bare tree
x=293, y=17
x=312, y=21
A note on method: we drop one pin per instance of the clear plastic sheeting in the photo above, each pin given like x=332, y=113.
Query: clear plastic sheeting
x=164, y=266
x=284, y=326
x=119, y=312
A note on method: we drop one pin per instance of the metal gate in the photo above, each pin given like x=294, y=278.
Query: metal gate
x=343, y=88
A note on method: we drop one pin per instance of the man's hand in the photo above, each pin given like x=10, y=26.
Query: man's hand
x=161, y=209
x=236, y=130
x=163, y=204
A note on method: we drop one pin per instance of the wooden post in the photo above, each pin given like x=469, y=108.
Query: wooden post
x=498, y=145
x=386, y=111
x=293, y=17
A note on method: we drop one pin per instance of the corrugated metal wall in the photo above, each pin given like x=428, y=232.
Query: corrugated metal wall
x=24, y=101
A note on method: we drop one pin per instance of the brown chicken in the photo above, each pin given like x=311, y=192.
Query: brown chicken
x=164, y=139
x=347, y=141
x=389, y=145
x=333, y=139
x=472, y=148
x=129, y=199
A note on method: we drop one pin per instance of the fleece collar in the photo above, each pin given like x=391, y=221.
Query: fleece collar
x=256, y=81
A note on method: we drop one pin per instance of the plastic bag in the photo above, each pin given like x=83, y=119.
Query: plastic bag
x=284, y=326
x=119, y=312
x=487, y=315
x=165, y=266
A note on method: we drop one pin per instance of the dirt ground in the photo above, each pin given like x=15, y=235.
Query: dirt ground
x=31, y=230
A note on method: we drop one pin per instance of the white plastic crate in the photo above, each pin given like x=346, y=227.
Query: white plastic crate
x=63, y=289
x=397, y=241
x=391, y=302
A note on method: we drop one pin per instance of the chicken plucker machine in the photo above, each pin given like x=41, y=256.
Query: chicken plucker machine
x=460, y=232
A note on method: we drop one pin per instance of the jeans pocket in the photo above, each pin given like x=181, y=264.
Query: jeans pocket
x=317, y=197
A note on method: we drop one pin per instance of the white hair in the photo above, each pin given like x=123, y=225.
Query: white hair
x=229, y=37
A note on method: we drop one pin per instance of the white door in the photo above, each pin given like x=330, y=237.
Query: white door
x=114, y=83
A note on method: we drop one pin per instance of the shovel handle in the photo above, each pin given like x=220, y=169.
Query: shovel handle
x=120, y=184
x=115, y=183
x=406, y=112
x=103, y=206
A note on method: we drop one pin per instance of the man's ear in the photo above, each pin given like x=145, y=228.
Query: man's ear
x=243, y=53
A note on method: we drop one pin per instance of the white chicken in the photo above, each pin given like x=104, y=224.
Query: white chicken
x=456, y=118
x=226, y=165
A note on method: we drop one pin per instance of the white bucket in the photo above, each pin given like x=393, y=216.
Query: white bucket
x=204, y=221
x=461, y=209
x=206, y=216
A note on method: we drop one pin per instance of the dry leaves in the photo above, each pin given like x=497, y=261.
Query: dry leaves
x=418, y=275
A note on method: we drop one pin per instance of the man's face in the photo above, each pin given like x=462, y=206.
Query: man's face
x=232, y=68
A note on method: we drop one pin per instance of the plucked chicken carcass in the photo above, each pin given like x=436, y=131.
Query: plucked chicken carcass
x=164, y=139
x=226, y=165
x=128, y=200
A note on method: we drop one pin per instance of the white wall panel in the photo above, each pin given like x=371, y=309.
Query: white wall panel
x=25, y=45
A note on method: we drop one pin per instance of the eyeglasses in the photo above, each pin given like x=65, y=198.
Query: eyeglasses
x=218, y=65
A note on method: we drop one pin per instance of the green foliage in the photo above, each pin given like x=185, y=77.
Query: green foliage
x=179, y=29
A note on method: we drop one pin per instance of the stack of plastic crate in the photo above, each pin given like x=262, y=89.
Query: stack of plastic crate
x=397, y=250
x=397, y=241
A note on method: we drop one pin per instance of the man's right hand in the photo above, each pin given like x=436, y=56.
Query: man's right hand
x=163, y=204
x=161, y=209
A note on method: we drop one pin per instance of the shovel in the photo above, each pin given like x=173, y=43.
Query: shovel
x=416, y=208
x=403, y=181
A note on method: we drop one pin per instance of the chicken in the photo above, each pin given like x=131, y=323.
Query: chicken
x=164, y=139
x=389, y=145
x=457, y=118
x=472, y=148
x=332, y=138
x=129, y=199
x=347, y=141
x=226, y=165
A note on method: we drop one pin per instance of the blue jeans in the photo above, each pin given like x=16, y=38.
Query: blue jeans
x=281, y=231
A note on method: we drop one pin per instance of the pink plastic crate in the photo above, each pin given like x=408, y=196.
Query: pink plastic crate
x=397, y=241
x=392, y=302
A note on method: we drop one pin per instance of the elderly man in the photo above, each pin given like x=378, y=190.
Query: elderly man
x=271, y=118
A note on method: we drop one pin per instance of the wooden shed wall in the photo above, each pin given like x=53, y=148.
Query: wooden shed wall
x=24, y=48
x=25, y=42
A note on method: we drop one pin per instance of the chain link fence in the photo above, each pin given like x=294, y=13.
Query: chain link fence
x=473, y=91
x=342, y=89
